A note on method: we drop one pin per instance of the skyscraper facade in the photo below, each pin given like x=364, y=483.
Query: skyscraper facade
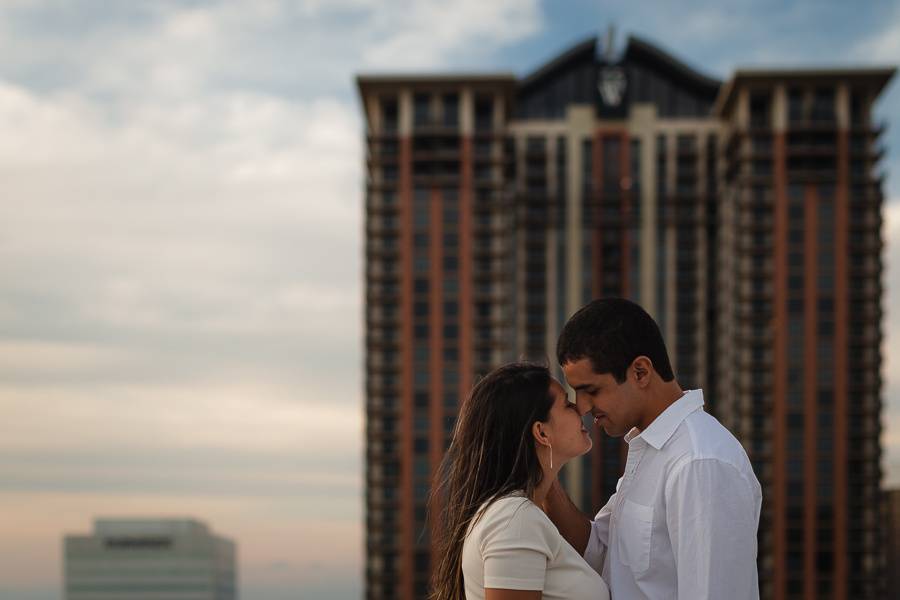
x=892, y=524
x=144, y=559
x=744, y=216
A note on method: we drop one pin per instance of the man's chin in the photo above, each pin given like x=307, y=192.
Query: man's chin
x=612, y=431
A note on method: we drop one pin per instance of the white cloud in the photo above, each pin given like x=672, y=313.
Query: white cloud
x=57, y=356
x=233, y=415
x=891, y=348
x=180, y=266
x=428, y=34
x=883, y=45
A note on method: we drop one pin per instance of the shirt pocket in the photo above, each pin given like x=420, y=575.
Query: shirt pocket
x=634, y=531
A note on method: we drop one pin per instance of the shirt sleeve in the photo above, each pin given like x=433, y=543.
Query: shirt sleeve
x=516, y=551
x=712, y=513
x=598, y=541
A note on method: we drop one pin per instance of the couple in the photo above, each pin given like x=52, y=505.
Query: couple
x=682, y=523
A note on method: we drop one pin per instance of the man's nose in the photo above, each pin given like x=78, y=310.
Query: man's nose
x=582, y=406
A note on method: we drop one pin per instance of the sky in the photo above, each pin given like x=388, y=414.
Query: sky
x=181, y=202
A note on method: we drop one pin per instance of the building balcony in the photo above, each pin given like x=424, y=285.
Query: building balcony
x=377, y=270
x=380, y=185
x=496, y=227
x=491, y=251
x=868, y=244
x=380, y=208
x=435, y=128
x=495, y=321
x=376, y=367
x=871, y=221
x=375, y=160
x=754, y=337
x=536, y=153
x=383, y=381
x=489, y=183
x=748, y=293
x=873, y=153
x=451, y=179
x=489, y=159
x=873, y=128
x=379, y=252
x=377, y=406
x=432, y=155
x=824, y=125
x=866, y=176
x=488, y=131
x=379, y=342
x=748, y=221
x=388, y=135
x=748, y=179
x=491, y=344
x=486, y=275
x=811, y=150
x=869, y=268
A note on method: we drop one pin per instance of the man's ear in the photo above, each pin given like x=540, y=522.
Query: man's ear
x=537, y=430
x=642, y=369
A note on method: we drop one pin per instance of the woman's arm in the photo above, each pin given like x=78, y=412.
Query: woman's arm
x=495, y=594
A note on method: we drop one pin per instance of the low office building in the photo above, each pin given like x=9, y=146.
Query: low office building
x=148, y=559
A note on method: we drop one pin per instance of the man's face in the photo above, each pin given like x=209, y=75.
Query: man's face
x=614, y=405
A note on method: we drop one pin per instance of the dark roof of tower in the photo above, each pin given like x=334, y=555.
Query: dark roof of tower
x=638, y=50
x=641, y=51
x=581, y=51
x=572, y=78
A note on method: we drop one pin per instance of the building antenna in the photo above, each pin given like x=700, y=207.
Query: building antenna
x=609, y=43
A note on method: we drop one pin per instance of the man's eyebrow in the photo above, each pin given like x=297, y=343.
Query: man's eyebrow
x=583, y=386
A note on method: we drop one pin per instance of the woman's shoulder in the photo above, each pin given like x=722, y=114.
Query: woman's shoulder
x=506, y=506
x=517, y=517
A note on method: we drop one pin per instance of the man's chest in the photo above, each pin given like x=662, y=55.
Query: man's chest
x=639, y=533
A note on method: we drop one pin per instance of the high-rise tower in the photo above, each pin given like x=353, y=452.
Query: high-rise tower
x=744, y=217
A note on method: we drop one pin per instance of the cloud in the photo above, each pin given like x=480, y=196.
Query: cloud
x=883, y=44
x=890, y=438
x=428, y=34
x=180, y=269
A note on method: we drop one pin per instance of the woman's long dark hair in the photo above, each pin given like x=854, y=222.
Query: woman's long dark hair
x=491, y=455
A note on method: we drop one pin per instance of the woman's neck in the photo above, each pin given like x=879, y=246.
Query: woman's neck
x=539, y=496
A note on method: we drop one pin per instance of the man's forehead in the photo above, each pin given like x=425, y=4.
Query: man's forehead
x=581, y=367
x=581, y=374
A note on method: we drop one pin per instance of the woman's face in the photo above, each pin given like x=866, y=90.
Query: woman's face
x=564, y=427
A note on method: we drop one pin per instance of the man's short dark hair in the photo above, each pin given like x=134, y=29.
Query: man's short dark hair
x=612, y=332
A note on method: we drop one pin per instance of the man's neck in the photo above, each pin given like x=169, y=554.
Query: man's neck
x=660, y=399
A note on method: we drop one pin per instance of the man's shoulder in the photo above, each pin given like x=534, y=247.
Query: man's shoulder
x=707, y=449
x=703, y=437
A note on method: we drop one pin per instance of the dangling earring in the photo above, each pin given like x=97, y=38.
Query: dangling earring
x=551, y=455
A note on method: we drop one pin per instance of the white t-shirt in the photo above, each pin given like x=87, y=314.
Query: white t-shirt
x=515, y=546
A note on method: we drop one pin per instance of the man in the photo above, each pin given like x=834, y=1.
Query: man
x=683, y=521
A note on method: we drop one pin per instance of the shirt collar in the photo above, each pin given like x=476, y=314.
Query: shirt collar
x=663, y=426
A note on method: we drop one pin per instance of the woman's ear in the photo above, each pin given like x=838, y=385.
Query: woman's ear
x=540, y=436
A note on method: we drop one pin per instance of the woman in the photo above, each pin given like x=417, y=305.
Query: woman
x=514, y=434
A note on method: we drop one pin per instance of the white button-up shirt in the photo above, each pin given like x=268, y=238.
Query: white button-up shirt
x=682, y=523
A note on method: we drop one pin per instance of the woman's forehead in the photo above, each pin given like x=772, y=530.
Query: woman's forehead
x=556, y=388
